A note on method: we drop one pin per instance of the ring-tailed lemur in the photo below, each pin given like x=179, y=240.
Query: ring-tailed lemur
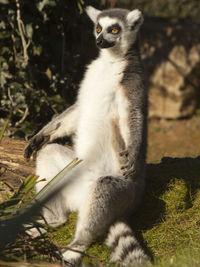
x=109, y=120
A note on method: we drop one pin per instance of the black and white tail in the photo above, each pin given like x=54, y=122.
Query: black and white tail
x=124, y=246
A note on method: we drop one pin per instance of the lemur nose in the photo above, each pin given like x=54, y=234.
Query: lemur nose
x=99, y=40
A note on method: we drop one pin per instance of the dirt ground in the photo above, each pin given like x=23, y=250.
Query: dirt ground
x=175, y=139
x=13, y=168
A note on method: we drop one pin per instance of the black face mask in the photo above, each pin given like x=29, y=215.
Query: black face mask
x=102, y=43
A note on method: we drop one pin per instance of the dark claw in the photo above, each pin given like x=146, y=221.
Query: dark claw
x=127, y=170
x=28, y=152
x=124, y=167
x=34, y=145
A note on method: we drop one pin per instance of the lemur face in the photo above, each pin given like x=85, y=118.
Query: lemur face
x=108, y=32
x=115, y=27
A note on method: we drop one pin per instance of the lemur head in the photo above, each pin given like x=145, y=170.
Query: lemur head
x=115, y=28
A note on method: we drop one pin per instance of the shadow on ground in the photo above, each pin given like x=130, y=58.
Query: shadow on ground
x=159, y=179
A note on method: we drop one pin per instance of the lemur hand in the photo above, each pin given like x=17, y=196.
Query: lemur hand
x=41, y=138
x=35, y=143
x=127, y=163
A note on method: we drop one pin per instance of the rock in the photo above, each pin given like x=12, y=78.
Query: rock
x=170, y=61
x=170, y=95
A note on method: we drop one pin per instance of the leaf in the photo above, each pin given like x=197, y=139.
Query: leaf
x=2, y=79
x=37, y=50
x=29, y=30
x=10, y=228
x=57, y=178
x=43, y=3
x=4, y=129
x=5, y=34
x=5, y=2
x=2, y=59
x=80, y=7
x=48, y=73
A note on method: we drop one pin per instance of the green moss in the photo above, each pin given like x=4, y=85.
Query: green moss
x=99, y=252
x=170, y=215
x=64, y=234
x=168, y=221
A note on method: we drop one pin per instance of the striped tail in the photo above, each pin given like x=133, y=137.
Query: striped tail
x=125, y=248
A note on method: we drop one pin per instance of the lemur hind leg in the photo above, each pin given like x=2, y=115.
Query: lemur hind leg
x=72, y=189
x=107, y=194
x=50, y=161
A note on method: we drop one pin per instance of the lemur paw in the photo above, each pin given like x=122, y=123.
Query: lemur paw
x=127, y=167
x=35, y=143
x=127, y=170
x=71, y=258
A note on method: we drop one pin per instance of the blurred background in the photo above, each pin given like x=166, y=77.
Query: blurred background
x=45, y=45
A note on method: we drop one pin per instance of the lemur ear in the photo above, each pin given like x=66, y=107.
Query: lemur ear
x=92, y=13
x=134, y=18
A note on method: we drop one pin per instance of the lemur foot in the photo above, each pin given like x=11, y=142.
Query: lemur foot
x=72, y=255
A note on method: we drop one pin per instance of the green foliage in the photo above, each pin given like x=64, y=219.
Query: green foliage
x=20, y=209
x=35, y=80
x=172, y=9
x=170, y=216
x=13, y=212
x=167, y=223
x=169, y=219
x=23, y=195
x=55, y=180
x=45, y=45
x=3, y=130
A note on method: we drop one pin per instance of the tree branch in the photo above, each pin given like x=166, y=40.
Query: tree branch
x=22, y=33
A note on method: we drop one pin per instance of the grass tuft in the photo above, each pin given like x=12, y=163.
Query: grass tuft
x=167, y=224
x=4, y=129
x=170, y=216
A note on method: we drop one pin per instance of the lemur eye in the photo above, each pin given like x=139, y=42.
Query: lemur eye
x=115, y=30
x=98, y=29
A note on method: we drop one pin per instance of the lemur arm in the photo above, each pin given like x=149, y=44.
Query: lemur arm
x=63, y=125
x=132, y=123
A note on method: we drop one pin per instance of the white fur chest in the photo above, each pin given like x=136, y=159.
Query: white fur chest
x=101, y=79
x=97, y=103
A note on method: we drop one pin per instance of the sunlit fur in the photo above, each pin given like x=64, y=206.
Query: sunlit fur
x=125, y=19
x=108, y=118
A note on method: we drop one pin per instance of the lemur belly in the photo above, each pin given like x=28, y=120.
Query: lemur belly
x=98, y=110
x=94, y=136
